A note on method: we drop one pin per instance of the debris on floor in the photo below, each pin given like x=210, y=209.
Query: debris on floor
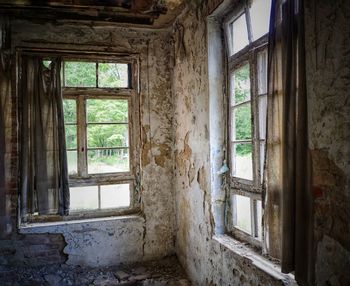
x=166, y=272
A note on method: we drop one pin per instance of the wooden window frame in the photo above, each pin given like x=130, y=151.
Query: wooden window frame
x=239, y=186
x=81, y=94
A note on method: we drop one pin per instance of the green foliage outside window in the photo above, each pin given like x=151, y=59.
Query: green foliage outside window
x=242, y=114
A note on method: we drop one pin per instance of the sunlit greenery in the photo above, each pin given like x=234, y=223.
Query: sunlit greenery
x=105, y=135
x=242, y=114
x=112, y=75
x=107, y=111
x=83, y=74
x=80, y=74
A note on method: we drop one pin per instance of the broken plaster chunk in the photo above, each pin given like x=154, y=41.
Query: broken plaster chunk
x=121, y=275
x=142, y=277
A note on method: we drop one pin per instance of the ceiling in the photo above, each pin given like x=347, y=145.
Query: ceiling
x=152, y=13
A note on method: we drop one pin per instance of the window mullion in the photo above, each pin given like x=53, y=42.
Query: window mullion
x=82, y=161
x=97, y=75
x=254, y=217
x=255, y=118
x=99, y=197
x=249, y=23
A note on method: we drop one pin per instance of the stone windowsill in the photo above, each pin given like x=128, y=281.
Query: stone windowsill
x=39, y=227
x=255, y=259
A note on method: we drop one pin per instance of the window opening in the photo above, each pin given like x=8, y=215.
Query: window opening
x=246, y=38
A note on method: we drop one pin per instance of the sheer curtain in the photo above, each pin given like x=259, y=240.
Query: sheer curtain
x=44, y=176
x=289, y=203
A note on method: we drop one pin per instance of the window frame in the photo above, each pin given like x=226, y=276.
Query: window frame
x=81, y=95
x=130, y=93
x=235, y=185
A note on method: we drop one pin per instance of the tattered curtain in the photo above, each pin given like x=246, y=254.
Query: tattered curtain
x=288, y=200
x=44, y=176
x=5, y=122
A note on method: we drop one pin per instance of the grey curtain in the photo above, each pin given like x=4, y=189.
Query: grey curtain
x=289, y=202
x=44, y=176
x=5, y=121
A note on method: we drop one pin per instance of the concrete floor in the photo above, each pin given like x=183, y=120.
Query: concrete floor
x=166, y=272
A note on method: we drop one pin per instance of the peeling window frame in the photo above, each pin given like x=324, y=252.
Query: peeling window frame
x=81, y=94
x=251, y=189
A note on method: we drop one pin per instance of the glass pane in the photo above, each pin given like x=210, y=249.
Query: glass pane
x=71, y=136
x=80, y=74
x=262, y=159
x=260, y=17
x=242, y=161
x=243, y=217
x=107, y=110
x=262, y=116
x=107, y=135
x=72, y=160
x=70, y=111
x=115, y=196
x=113, y=75
x=262, y=72
x=241, y=85
x=47, y=63
x=83, y=198
x=108, y=161
x=259, y=217
x=239, y=34
x=242, y=122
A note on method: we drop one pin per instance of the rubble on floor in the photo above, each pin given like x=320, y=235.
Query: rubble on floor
x=166, y=272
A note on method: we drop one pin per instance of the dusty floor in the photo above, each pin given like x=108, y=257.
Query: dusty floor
x=166, y=272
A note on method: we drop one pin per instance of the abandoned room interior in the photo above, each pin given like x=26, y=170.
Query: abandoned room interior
x=175, y=142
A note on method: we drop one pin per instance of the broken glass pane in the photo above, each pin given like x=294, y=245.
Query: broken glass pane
x=113, y=75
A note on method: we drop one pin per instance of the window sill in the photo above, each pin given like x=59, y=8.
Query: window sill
x=257, y=260
x=45, y=227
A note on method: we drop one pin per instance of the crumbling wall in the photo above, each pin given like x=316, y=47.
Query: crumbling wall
x=208, y=261
x=328, y=82
x=328, y=48
x=151, y=235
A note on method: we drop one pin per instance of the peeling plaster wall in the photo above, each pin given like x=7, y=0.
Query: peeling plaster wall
x=328, y=76
x=151, y=235
x=207, y=261
x=99, y=242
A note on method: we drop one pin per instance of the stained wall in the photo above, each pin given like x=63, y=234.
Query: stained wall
x=148, y=235
x=207, y=259
x=328, y=82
